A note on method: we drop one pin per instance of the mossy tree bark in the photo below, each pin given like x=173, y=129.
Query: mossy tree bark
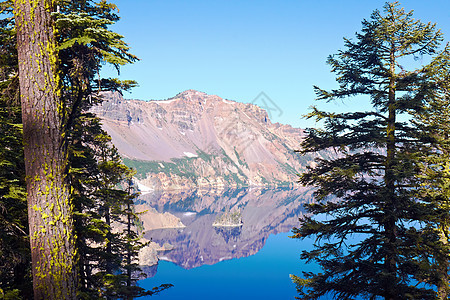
x=49, y=209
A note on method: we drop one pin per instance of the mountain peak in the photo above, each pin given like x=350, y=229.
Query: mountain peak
x=190, y=93
x=200, y=140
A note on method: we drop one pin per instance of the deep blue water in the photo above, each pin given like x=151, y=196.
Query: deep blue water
x=264, y=275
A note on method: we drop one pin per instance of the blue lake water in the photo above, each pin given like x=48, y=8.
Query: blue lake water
x=264, y=275
x=250, y=262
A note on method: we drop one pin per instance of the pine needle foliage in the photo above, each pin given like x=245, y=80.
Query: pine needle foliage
x=433, y=124
x=15, y=280
x=107, y=265
x=371, y=243
x=108, y=241
x=107, y=256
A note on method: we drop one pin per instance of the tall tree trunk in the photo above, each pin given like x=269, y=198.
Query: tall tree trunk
x=443, y=266
x=109, y=236
x=129, y=246
x=389, y=178
x=49, y=208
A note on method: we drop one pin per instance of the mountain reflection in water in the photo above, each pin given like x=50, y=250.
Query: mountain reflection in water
x=263, y=212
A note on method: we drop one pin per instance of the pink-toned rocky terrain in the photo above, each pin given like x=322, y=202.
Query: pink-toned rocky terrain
x=263, y=211
x=195, y=140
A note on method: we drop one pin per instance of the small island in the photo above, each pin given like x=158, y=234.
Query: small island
x=229, y=219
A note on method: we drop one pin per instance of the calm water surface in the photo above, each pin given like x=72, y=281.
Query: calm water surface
x=264, y=275
x=250, y=262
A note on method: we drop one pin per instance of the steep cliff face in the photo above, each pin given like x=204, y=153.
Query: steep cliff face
x=200, y=140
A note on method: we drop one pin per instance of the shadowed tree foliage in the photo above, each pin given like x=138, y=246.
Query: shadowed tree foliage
x=370, y=245
x=105, y=224
x=96, y=168
x=14, y=243
x=70, y=45
x=433, y=123
x=14, y=246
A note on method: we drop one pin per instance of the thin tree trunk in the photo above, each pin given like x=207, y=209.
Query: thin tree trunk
x=443, y=267
x=129, y=246
x=390, y=211
x=49, y=209
x=109, y=264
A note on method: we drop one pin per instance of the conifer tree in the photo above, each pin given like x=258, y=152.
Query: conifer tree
x=133, y=244
x=107, y=257
x=14, y=245
x=107, y=240
x=433, y=122
x=369, y=191
x=77, y=42
x=96, y=168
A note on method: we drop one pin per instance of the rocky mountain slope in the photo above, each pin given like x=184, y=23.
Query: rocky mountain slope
x=200, y=140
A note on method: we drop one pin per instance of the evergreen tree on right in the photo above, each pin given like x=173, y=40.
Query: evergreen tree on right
x=433, y=124
x=372, y=242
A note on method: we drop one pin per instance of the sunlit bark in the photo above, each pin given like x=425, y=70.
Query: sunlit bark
x=49, y=209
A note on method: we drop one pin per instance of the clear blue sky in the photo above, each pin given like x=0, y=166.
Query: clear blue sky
x=237, y=49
